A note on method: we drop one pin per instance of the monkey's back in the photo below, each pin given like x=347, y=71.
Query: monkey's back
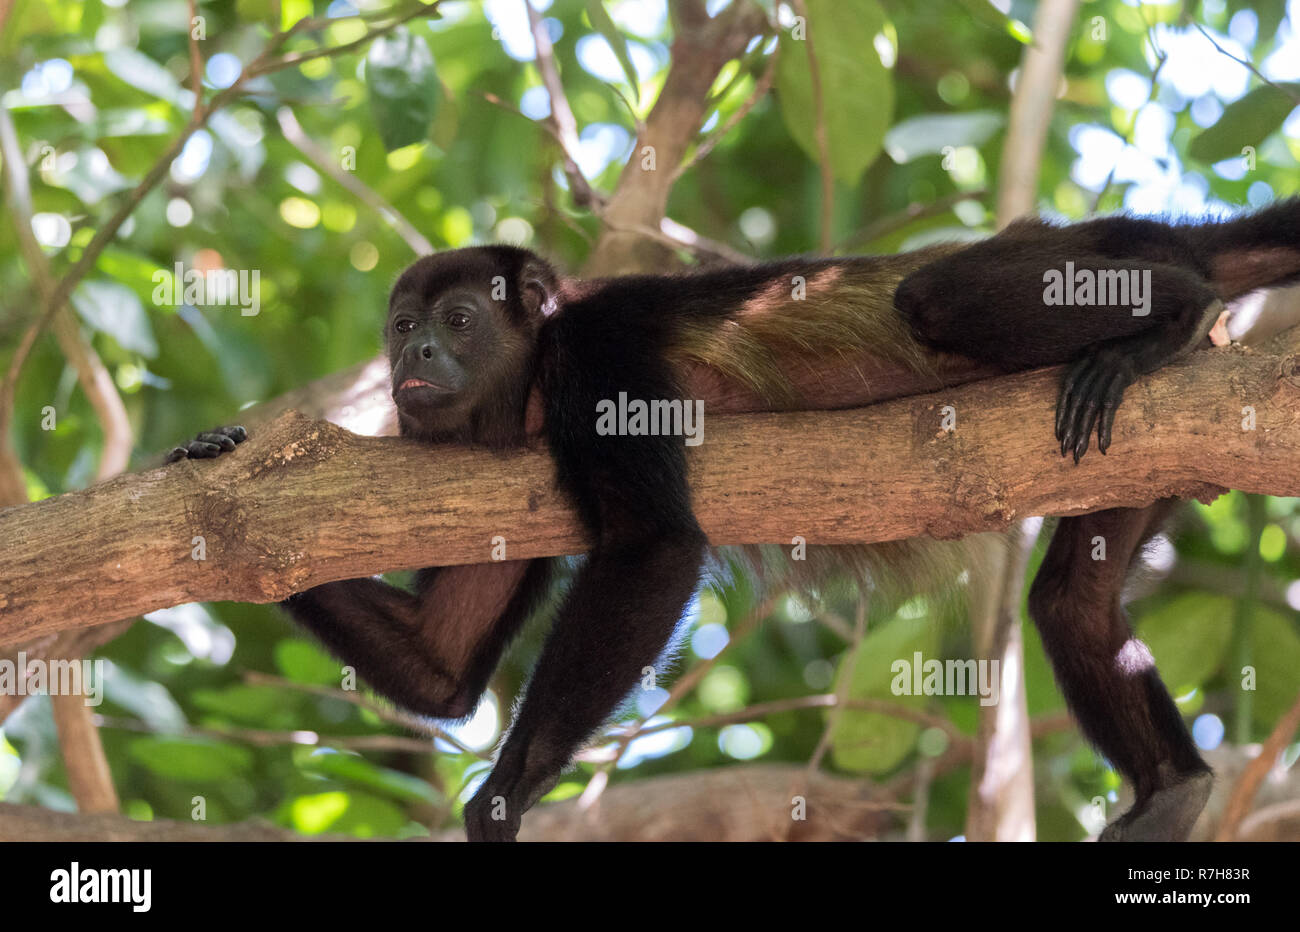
x=794, y=334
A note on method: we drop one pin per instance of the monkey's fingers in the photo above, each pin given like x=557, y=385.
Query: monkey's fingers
x=209, y=444
x=223, y=442
x=1110, y=407
x=1100, y=411
x=1063, y=397
x=1079, y=388
x=1090, y=397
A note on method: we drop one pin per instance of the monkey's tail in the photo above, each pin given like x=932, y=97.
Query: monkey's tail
x=1258, y=250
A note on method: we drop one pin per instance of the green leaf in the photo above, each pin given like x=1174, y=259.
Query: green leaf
x=191, y=759
x=303, y=662
x=404, y=88
x=857, y=89
x=868, y=741
x=255, y=11
x=1245, y=122
x=353, y=768
x=115, y=309
x=601, y=22
x=370, y=817
x=1276, y=658
x=255, y=705
x=293, y=10
x=144, y=74
x=27, y=18
x=1189, y=638
x=931, y=133
x=984, y=12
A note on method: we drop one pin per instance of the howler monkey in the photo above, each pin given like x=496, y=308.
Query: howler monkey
x=487, y=343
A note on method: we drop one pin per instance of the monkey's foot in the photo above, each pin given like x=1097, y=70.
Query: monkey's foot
x=1090, y=395
x=209, y=444
x=1168, y=814
x=489, y=816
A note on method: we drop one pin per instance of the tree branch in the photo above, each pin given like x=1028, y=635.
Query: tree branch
x=886, y=472
x=701, y=46
x=740, y=803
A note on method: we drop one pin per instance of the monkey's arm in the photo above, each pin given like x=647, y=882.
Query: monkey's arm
x=631, y=493
x=431, y=651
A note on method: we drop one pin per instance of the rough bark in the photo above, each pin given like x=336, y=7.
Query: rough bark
x=305, y=502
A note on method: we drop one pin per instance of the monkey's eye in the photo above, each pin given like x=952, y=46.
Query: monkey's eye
x=405, y=325
x=457, y=320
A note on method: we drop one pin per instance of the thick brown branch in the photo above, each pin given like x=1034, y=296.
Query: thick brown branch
x=305, y=502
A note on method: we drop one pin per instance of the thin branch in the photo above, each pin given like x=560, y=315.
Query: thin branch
x=566, y=126
x=93, y=377
x=547, y=126
x=79, y=744
x=763, y=85
x=820, y=133
x=196, y=60
x=265, y=64
x=1161, y=57
x=296, y=137
x=259, y=737
x=390, y=714
x=84, y=761
x=677, y=235
x=849, y=664
x=1247, y=63
x=1252, y=777
x=761, y=710
x=917, y=210
x=1001, y=801
x=1041, y=69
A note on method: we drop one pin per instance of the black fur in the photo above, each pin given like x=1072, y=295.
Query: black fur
x=575, y=344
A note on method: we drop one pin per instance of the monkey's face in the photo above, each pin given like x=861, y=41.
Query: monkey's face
x=443, y=358
x=460, y=337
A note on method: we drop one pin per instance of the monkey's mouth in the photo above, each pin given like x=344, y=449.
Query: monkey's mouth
x=422, y=383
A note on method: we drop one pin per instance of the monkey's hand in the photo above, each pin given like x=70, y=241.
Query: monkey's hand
x=209, y=444
x=1090, y=395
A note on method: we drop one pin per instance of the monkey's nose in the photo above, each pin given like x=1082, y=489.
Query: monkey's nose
x=426, y=351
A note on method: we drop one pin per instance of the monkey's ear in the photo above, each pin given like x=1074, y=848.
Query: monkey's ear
x=538, y=285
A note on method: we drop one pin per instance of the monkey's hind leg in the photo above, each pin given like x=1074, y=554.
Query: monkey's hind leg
x=1109, y=677
x=988, y=302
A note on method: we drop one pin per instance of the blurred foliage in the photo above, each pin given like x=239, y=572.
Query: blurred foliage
x=915, y=96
